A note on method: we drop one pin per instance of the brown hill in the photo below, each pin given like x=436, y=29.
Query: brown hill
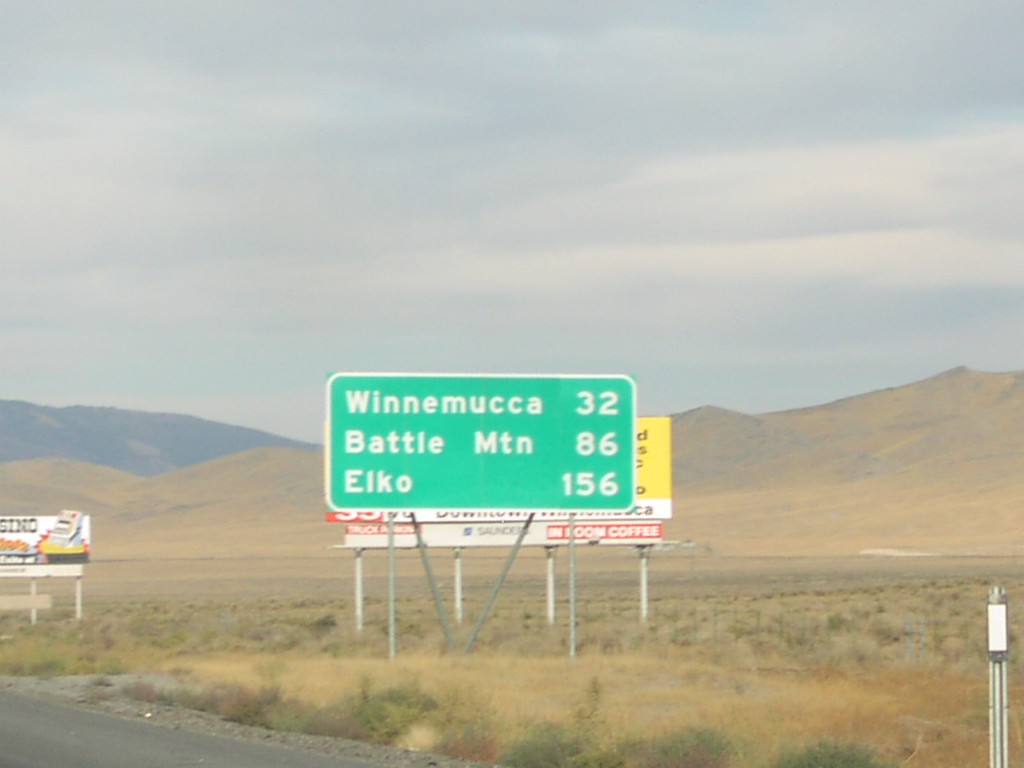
x=932, y=467
x=264, y=502
x=45, y=486
x=133, y=441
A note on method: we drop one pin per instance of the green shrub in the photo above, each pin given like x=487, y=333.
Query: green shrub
x=470, y=741
x=389, y=714
x=691, y=748
x=338, y=721
x=831, y=754
x=545, y=745
x=236, y=703
x=323, y=625
x=466, y=727
x=47, y=666
x=602, y=758
x=243, y=705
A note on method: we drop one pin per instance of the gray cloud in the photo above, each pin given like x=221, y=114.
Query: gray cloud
x=210, y=207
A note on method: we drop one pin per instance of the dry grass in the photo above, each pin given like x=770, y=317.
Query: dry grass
x=773, y=655
x=924, y=711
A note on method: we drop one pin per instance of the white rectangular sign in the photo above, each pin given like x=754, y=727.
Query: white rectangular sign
x=998, y=629
x=494, y=534
x=41, y=571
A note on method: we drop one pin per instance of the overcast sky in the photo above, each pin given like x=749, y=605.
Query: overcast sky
x=209, y=207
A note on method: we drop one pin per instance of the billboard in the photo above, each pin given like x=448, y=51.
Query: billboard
x=621, y=532
x=653, y=468
x=29, y=540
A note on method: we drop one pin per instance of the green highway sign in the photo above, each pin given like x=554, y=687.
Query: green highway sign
x=457, y=447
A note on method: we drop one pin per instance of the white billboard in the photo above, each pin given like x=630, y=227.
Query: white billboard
x=497, y=534
x=34, y=540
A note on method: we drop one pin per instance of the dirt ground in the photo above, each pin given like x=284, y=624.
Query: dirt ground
x=674, y=577
x=332, y=575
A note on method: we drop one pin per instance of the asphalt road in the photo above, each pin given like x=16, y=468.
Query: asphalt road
x=36, y=733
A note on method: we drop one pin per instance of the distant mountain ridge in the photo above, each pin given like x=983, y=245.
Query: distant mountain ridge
x=137, y=442
x=959, y=416
x=934, y=466
x=931, y=467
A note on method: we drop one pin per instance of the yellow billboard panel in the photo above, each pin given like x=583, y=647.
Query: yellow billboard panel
x=654, y=457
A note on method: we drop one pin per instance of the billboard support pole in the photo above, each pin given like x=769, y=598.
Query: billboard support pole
x=572, y=585
x=998, y=656
x=498, y=585
x=458, y=585
x=438, y=600
x=645, y=556
x=78, y=599
x=392, y=640
x=359, y=590
x=551, y=584
x=32, y=591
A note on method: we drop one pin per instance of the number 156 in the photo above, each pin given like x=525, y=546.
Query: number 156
x=587, y=484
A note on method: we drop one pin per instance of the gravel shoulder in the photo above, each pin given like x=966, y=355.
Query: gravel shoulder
x=109, y=694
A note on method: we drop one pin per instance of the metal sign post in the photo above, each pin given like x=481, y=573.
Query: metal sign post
x=434, y=589
x=550, y=552
x=998, y=656
x=359, y=590
x=645, y=556
x=458, y=585
x=497, y=586
x=392, y=588
x=572, y=586
x=78, y=598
